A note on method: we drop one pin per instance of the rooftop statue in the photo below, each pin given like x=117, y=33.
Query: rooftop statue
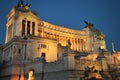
x=69, y=43
x=88, y=24
x=21, y=4
x=68, y=49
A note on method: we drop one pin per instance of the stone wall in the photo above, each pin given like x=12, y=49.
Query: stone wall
x=39, y=66
x=1, y=53
x=81, y=64
x=58, y=70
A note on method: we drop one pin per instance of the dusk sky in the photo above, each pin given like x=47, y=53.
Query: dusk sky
x=104, y=14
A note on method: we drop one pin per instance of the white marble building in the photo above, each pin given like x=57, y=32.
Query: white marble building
x=37, y=50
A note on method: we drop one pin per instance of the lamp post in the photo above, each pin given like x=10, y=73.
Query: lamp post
x=25, y=40
x=22, y=66
x=42, y=73
x=23, y=59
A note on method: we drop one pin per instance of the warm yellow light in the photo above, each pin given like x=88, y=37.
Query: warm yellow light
x=30, y=74
x=118, y=57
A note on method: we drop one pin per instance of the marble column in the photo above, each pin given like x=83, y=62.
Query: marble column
x=42, y=32
x=81, y=44
x=26, y=27
x=74, y=44
x=85, y=45
x=77, y=44
x=30, y=27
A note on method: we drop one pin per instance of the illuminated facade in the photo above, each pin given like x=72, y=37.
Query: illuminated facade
x=44, y=37
x=37, y=50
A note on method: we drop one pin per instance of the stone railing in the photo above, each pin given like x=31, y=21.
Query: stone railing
x=81, y=64
x=54, y=66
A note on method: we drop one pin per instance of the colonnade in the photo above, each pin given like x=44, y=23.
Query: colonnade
x=28, y=27
x=78, y=44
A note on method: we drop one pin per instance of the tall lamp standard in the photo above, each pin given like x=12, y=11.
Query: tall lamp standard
x=25, y=40
x=23, y=59
x=43, y=61
x=25, y=54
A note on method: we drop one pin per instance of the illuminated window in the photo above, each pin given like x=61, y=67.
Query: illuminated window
x=43, y=46
x=31, y=74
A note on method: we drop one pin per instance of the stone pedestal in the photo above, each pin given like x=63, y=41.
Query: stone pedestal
x=69, y=60
x=94, y=76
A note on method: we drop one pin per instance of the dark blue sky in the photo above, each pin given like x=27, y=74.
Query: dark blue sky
x=104, y=14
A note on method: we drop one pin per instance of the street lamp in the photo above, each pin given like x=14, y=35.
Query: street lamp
x=25, y=38
x=24, y=59
x=43, y=61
